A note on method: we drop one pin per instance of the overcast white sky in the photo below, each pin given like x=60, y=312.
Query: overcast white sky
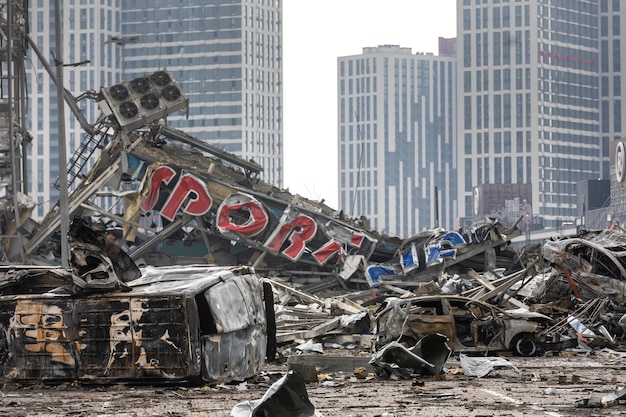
x=315, y=34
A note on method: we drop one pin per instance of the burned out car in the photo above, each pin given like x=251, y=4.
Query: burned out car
x=471, y=325
x=192, y=323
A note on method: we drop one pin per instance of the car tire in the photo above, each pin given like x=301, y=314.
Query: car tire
x=524, y=345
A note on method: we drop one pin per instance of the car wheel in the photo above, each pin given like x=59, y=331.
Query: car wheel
x=524, y=345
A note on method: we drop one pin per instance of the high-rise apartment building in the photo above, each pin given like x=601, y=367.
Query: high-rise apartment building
x=539, y=98
x=396, y=129
x=89, y=63
x=226, y=55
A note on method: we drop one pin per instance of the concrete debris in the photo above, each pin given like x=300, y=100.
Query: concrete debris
x=608, y=400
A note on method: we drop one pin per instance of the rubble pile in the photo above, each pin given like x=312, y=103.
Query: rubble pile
x=201, y=272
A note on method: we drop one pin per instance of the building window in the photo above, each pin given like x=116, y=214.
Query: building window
x=507, y=111
x=485, y=50
x=467, y=81
x=486, y=111
x=519, y=111
x=497, y=170
x=467, y=19
x=506, y=48
x=496, y=48
x=507, y=170
x=496, y=18
x=468, y=112
x=604, y=26
x=467, y=50
x=497, y=111
x=497, y=80
x=486, y=169
x=478, y=50
x=519, y=140
x=468, y=175
x=605, y=117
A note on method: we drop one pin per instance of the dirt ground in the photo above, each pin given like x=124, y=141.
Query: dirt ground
x=550, y=386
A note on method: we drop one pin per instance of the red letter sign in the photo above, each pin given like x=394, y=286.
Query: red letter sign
x=299, y=231
x=159, y=175
x=323, y=254
x=188, y=187
x=257, y=216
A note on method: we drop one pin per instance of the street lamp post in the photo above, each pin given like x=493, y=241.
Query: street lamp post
x=122, y=42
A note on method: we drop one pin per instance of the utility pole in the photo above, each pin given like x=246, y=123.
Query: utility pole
x=63, y=200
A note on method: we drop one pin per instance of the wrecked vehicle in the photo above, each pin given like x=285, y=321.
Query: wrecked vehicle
x=471, y=325
x=589, y=265
x=197, y=323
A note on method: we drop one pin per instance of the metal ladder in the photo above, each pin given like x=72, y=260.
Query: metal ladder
x=86, y=149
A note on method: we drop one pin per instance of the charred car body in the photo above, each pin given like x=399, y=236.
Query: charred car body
x=191, y=323
x=471, y=325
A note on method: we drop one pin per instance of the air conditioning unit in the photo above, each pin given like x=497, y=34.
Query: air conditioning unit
x=172, y=97
x=123, y=106
x=147, y=99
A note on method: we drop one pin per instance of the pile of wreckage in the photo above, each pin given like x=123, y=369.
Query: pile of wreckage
x=202, y=272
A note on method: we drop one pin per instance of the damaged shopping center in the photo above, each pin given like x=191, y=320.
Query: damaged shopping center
x=205, y=274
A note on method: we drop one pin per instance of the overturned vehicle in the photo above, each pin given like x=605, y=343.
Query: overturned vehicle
x=472, y=326
x=171, y=324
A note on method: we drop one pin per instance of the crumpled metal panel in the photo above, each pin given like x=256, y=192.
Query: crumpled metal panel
x=237, y=351
x=287, y=397
x=234, y=356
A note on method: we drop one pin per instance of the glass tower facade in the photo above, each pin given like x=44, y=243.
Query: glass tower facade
x=538, y=97
x=226, y=55
x=396, y=129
